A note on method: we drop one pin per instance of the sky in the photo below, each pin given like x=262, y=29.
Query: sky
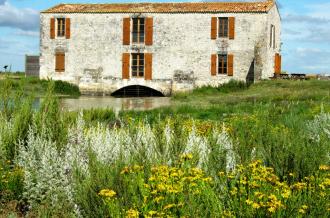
x=305, y=32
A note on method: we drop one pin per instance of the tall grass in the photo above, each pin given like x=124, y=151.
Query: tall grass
x=248, y=159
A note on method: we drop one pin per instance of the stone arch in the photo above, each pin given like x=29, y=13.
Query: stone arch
x=137, y=91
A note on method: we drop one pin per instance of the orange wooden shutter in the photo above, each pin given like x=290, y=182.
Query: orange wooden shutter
x=277, y=67
x=60, y=62
x=149, y=30
x=52, y=28
x=230, y=71
x=231, y=27
x=67, y=28
x=148, y=66
x=214, y=27
x=213, y=64
x=126, y=31
x=125, y=70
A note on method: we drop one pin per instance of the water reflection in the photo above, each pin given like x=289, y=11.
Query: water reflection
x=117, y=104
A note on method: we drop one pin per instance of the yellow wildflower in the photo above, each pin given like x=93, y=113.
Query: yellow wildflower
x=169, y=206
x=324, y=167
x=152, y=212
x=107, y=193
x=186, y=156
x=249, y=202
x=131, y=213
x=305, y=207
x=255, y=205
x=272, y=209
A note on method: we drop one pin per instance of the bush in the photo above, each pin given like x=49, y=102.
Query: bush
x=66, y=88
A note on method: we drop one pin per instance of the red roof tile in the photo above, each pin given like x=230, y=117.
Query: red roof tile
x=196, y=7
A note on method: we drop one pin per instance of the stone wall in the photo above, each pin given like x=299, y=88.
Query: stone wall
x=181, y=50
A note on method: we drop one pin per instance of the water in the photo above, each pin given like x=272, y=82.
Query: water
x=116, y=104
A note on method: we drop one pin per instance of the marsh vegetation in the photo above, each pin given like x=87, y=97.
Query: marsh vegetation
x=232, y=151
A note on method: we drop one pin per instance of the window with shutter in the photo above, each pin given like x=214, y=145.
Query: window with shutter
x=222, y=64
x=226, y=27
x=59, y=62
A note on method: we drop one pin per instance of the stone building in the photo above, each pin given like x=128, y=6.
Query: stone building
x=168, y=47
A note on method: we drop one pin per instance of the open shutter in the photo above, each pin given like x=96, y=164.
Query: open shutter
x=149, y=30
x=67, y=28
x=148, y=66
x=213, y=64
x=126, y=31
x=125, y=70
x=214, y=27
x=230, y=71
x=52, y=28
x=60, y=62
x=231, y=27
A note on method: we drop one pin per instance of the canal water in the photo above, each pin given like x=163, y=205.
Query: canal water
x=116, y=104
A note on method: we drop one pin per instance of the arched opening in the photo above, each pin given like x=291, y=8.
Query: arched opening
x=136, y=91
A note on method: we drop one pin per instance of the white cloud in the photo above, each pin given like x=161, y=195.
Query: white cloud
x=24, y=19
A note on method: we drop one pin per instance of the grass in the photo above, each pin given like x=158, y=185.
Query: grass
x=231, y=151
x=37, y=87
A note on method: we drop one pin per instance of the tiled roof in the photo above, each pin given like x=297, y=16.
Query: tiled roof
x=196, y=7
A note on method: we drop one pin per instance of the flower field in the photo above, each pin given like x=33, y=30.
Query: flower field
x=267, y=158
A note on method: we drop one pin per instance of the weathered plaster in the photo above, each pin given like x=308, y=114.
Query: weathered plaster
x=181, y=49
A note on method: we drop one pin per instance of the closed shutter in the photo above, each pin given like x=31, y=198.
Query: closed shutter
x=277, y=67
x=60, y=62
x=125, y=62
x=213, y=64
x=126, y=31
x=52, y=28
x=230, y=71
x=149, y=30
x=214, y=27
x=148, y=66
x=231, y=27
x=67, y=28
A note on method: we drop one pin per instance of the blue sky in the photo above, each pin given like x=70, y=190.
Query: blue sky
x=305, y=32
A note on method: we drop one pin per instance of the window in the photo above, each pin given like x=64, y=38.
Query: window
x=60, y=27
x=223, y=27
x=138, y=30
x=60, y=62
x=272, y=36
x=138, y=65
x=222, y=63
